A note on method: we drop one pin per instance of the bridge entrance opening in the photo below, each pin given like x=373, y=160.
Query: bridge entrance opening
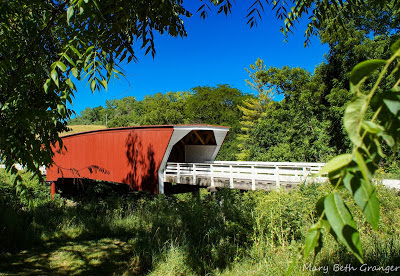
x=196, y=146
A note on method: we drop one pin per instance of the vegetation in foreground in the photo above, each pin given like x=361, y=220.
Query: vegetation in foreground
x=250, y=233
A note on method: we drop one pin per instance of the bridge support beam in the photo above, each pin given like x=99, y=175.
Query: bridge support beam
x=52, y=189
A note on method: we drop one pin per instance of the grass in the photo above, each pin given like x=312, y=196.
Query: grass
x=82, y=128
x=250, y=233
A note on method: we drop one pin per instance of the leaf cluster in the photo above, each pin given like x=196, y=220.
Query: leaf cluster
x=46, y=46
x=354, y=171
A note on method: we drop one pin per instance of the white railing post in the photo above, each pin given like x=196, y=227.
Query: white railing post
x=253, y=178
x=277, y=183
x=178, y=173
x=194, y=174
x=212, y=175
x=231, y=176
x=305, y=174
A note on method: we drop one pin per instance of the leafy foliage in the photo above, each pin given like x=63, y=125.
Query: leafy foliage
x=295, y=128
x=47, y=45
x=355, y=171
x=338, y=13
x=253, y=108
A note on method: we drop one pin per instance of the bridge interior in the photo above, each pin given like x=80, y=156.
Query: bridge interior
x=196, y=146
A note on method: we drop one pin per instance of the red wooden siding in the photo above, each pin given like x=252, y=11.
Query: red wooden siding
x=126, y=155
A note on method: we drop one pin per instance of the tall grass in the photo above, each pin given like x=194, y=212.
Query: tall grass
x=235, y=233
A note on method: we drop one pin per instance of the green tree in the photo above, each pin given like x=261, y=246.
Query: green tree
x=253, y=108
x=214, y=105
x=163, y=109
x=217, y=106
x=376, y=17
x=346, y=49
x=89, y=116
x=46, y=45
x=123, y=112
x=293, y=129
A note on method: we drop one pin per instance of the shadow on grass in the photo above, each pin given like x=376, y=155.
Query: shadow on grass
x=97, y=257
x=124, y=235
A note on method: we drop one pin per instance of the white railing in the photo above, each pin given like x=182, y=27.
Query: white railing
x=252, y=172
x=21, y=168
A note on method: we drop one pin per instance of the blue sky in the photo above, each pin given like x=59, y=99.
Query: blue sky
x=216, y=51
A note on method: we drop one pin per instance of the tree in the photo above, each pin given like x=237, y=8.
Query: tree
x=217, y=106
x=345, y=51
x=162, y=109
x=293, y=129
x=214, y=105
x=253, y=108
x=46, y=45
x=124, y=112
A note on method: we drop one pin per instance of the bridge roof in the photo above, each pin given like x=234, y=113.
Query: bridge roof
x=186, y=126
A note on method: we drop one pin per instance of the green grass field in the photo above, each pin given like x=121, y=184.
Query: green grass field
x=250, y=233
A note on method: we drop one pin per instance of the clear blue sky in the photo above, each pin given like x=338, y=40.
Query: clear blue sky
x=216, y=51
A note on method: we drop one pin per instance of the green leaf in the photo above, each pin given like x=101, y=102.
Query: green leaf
x=74, y=71
x=70, y=84
x=46, y=85
x=362, y=70
x=378, y=146
x=61, y=109
x=93, y=85
x=352, y=118
x=61, y=66
x=312, y=238
x=104, y=83
x=362, y=166
x=64, y=95
x=70, y=13
x=320, y=208
x=392, y=101
x=336, y=163
x=364, y=193
x=54, y=77
x=88, y=50
x=372, y=127
x=75, y=51
x=387, y=138
x=69, y=60
x=96, y=4
x=342, y=224
x=395, y=46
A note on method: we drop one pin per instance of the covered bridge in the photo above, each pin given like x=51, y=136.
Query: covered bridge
x=136, y=156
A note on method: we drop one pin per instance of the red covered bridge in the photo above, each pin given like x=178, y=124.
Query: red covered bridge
x=136, y=156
